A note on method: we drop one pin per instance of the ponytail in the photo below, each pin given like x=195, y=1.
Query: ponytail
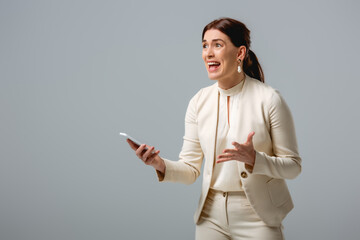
x=252, y=67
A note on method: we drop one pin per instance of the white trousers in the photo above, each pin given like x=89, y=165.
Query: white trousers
x=228, y=215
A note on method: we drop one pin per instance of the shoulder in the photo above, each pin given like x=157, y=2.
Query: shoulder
x=204, y=93
x=269, y=98
x=204, y=100
x=261, y=91
x=255, y=86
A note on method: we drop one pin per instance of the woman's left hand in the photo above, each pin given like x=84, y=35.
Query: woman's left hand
x=242, y=152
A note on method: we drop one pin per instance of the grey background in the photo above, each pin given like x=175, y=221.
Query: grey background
x=75, y=73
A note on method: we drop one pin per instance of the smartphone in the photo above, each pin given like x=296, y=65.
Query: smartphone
x=132, y=139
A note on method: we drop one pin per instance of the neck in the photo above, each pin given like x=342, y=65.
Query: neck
x=231, y=82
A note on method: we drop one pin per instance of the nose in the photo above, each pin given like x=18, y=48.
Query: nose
x=209, y=53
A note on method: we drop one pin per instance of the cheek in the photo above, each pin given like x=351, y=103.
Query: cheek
x=203, y=55
x=229, y=58
x=230, y=63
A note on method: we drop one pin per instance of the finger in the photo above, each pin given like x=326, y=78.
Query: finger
x=148, y=153
x=225, y=160
x=150, y=159
x=230, y=151
x=133, y=145
x=229, y=159
x=223, y=156
x=139, y=152
x=236, y=145
x=250, y=136
x=156, y=153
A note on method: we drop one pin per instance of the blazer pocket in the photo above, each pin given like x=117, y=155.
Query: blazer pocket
x=278, y=191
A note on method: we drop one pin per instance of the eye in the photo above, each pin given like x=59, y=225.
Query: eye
x=218, y=45
x=205, y=46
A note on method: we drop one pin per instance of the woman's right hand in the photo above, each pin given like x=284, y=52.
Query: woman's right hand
x=149, y=156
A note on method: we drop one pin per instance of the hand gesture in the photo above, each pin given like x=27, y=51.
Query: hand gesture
x=242, y=152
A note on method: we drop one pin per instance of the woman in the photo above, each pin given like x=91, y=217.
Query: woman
x=245, y=132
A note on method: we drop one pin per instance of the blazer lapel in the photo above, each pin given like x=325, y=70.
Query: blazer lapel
x=214, y=119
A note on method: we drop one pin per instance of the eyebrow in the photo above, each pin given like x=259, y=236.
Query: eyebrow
x=217, y=39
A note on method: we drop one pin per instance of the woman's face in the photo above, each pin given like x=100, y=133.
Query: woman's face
x=220, y=56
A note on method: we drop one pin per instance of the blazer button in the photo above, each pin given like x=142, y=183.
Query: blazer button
x=243, y=174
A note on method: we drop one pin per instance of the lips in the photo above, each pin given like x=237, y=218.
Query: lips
x=213, y=65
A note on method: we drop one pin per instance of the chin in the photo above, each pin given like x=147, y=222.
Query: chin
x=212, y=76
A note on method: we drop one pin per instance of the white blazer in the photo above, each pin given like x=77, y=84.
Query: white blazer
x=261, y=110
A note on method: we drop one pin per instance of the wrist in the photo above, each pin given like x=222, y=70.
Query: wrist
x=250, y=167
x=160, y=166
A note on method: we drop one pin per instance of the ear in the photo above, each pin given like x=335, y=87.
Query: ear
x=241, y=52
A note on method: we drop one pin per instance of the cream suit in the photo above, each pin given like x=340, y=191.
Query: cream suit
x=261, y=110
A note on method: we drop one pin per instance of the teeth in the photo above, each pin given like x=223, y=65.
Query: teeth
x=213, y=63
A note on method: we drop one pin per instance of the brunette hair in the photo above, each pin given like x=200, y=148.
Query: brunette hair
x=239, y=35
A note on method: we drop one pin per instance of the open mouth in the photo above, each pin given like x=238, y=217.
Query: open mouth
x=213, y=66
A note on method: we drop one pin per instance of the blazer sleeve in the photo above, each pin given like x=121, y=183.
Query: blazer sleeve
x=286, y=162
x=187, y=169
